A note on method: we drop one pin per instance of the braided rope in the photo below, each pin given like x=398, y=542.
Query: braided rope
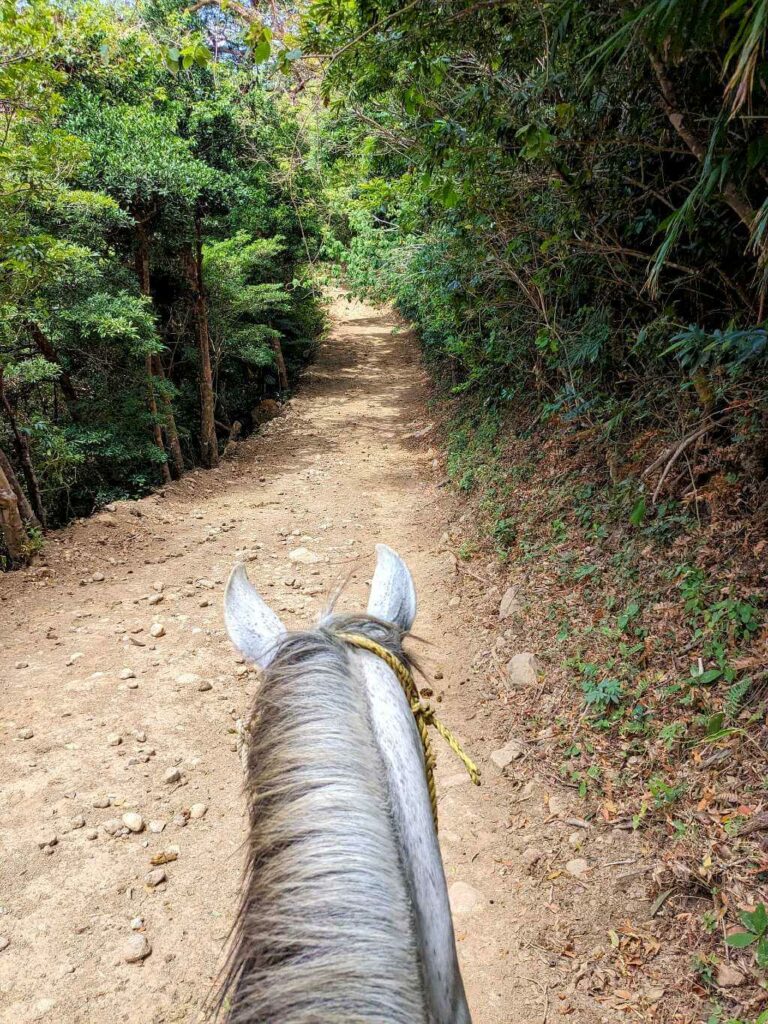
x=423, y=713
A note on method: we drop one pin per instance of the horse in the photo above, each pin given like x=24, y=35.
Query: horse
x=344, y=916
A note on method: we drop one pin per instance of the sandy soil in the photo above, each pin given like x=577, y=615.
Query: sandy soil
x=348, y=465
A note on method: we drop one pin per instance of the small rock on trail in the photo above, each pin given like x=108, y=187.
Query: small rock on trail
x=465, y=898
x=523, y=670
x=136, y=948
x=511, y=751
x=303, y=556
x=510, y=604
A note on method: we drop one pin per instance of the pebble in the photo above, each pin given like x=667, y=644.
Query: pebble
x=114, y=739
x=510, y=604
x=112, y=826
x=303, y=556
x=155, y=877
x=136, y=948
x=132, y=684
x=156, y=826
x=157, y=630
x=464, y=898
x=158, y=587
x=140, y=736
x=91, y=834
x=578, y=868
x=127, y=673
x=133, y=821
x=504, y=756
x=47, y=839
x=171, y=775
x=21, y=664
x=154, y=599
x=204, y=685
x=137, y=923
x=25, y=734
x=98, y=577
x=101, y=801
x=198, y=810
x=531, y=855
x=558, y=805
x=523, y=669
x=4, y=942
x=179, y=820
x=187, y=679
x=728, y=976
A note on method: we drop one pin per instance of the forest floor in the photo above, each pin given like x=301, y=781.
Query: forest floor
x=118, y=676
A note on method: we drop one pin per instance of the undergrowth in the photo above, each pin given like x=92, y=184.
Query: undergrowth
x=654, y=622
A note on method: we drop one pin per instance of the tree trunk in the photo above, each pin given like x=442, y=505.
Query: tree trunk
x=171, y=434
x=157, y=432
x=142, y=272
x=209, y=448
x=282, y=372
x=21, y=444
x=46, y=349
x=25, y=509
x=11, y=526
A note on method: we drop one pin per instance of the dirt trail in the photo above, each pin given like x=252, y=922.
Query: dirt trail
x=338, y=472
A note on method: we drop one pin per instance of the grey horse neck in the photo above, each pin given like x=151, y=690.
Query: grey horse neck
x=325, y=932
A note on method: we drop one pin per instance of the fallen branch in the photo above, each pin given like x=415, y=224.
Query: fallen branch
x=676, y=455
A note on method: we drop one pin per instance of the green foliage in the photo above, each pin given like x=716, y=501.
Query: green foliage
x=132, y=162
x=755, y=934
x=518, y=181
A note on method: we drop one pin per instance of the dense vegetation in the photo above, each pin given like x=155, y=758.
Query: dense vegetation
x=151, y=256
x=568, y=199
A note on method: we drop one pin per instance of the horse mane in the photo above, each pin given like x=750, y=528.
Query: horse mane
x=325, y=932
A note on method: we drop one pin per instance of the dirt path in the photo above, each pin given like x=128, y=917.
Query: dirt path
x=336, y=474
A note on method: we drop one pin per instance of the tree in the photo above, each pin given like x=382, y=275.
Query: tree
x=125, y=156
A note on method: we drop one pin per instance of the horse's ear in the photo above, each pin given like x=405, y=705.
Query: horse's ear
x=393, y=595
x=252, y=626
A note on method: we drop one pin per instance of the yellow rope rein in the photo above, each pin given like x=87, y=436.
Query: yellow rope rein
x=422, y=712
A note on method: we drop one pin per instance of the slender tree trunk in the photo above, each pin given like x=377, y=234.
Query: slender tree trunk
x=46, y=349
x=142, y=272
x=171, y=434
x=11, y=526
x=209, y=448
x=25, y=509
x=157, y=432
x=282, y=372
x=21, y=444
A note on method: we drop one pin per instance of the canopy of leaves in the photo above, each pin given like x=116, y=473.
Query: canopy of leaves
x=132, y=161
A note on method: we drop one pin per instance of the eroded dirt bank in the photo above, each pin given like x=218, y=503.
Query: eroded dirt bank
x=101, y=717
